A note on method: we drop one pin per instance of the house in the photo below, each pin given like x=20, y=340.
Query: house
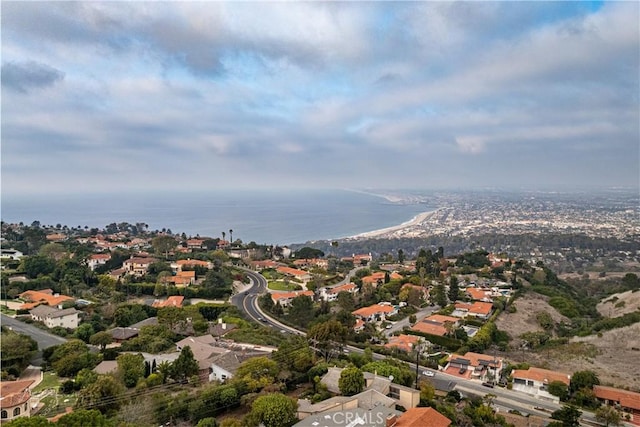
x=359, y=325
x=403, y=396
x=436, y=324
x=300, y=275
x=479, y=309
x=172, y=301
x=627, y=401
x=181, y=264
x=368, y=399
x=380, y=416
x=204, y=349
x=195, y=243
x=375, y=312
x=378, y=278
x=314, y=262
x=224, y=366
x=96, y=260
x=44, y=296
x=424, y=292
x=331, y=293
x=182, y=278
x=15, y=400
x=403, y=342
x=422, y=417
x=474, y=366
x=534, y=381
x=52, y=317
x=138, y=266
x=263, y=265
x=122, y=334
x=479, y=294
x=56, y=237
x=285, y=298
x=11, y=254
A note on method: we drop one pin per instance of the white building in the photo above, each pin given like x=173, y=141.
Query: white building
x=52, y=317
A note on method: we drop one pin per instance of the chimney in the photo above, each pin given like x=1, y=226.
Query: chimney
x=224, y=326
x=391, y=420
x=220, y=320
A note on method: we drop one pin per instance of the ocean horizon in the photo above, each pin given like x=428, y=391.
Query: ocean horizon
x=265, y=217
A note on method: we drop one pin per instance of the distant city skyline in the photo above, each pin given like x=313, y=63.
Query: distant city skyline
x=136, y=96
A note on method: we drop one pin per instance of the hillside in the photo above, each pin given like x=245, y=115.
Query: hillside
x=610, y=354
x=618, y=304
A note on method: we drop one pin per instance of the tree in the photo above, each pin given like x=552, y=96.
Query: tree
x=274, y=410
x=130, y=368
x=38, y=265
x=185, y=365
x=608, y=415
x=309, y=253
x=33, y=421
x=440, y=297
x=583, y=379
x=453, y=289
x=400, y=256
x=16, y=351
x=102, y=339
x=346, y=301
x=301, y=310
x=327, y=336
x=164, y=244
x=101, y=395
x=257, y=373
x=207, y=422
x=84, y=332
x=560, y=389
x=351, y=381
x=568, y=415
x=84, y=417
x=230, y=236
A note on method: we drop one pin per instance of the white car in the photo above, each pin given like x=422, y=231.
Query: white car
x=428, y=373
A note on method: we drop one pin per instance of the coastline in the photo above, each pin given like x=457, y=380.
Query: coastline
x=406, y=229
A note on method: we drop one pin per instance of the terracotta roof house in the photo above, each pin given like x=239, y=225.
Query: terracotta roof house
x=627, y=401
x=180, y=264
x=436, y=324
x=479, y=294
x=195, y=243
x=172, y=301
x=474, y=365
x=375, y=312
x=301, y=275
x=44, y=296
x=285, y=298
x=377, y=278
x=402, y=342
x=15, y=400
x=422, y=417
x=479, y=309
x=535, y=381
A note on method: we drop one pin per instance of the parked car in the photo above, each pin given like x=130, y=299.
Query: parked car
x=428, y=373
x=489, y=384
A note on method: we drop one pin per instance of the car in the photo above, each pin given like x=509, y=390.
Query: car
x=428, y=373
x=388, y=326
x=262, y=319
x=462, y=370
x=282, y=331
x=489, y=384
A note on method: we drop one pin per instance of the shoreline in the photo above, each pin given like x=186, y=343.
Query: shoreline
x=406, y=226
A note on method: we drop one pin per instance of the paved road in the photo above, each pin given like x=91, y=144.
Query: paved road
x=43, y=338
x=247, y=301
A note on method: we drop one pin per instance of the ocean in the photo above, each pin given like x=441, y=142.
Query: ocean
x=271, y=217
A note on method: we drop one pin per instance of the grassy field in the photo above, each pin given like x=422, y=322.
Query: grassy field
x=49, y=380
x=281, y=286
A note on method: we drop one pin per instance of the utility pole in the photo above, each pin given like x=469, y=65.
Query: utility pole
x=418, y=348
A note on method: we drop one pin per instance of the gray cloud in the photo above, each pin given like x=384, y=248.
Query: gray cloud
x=24, y=76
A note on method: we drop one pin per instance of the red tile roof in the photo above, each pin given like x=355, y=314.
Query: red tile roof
x=44, y=296
x=291, y=271
x=627, y=399
x=430, y=328
x=14, y=393
x=172, y=301
x=544, y=376
x=403, y=342
x=422, y=417
x=277, y=296
x=373, y=309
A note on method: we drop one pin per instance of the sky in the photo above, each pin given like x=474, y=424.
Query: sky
x=144, y=96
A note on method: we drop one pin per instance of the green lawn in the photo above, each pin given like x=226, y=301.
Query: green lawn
x=281, y=286
x=6, y=310
x=49, y=380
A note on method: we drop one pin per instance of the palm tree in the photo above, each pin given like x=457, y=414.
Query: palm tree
x=223, y=235
x=230, y=236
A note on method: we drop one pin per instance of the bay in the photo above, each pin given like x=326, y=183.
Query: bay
x=272, y=217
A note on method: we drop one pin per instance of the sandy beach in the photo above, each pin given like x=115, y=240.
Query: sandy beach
x=406, y=229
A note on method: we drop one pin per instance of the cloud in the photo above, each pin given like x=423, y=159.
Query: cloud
x=25, y=76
